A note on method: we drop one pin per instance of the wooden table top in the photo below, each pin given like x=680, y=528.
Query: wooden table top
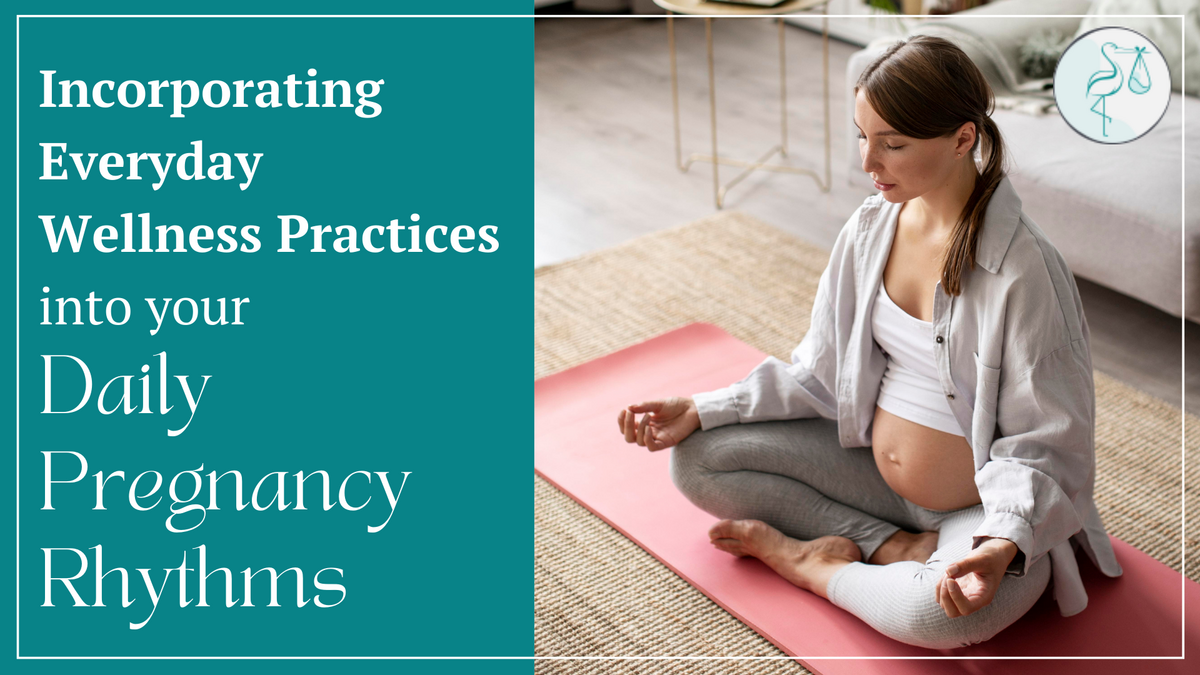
x=714, y=8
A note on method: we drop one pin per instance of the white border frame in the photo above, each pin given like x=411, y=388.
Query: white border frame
x=797, y=658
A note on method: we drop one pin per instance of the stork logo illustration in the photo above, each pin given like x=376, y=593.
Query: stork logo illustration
x=1112, y=85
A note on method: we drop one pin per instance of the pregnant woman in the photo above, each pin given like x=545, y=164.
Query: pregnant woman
x=926, y=461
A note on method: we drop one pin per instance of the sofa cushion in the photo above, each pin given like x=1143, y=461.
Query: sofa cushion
x=994, y=44
x=1163, y=31
x=1000, y=39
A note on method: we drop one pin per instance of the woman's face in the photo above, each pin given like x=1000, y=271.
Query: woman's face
x=904, y=168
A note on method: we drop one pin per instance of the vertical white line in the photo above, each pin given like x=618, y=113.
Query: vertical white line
x=17, y=310
x=1183, y=327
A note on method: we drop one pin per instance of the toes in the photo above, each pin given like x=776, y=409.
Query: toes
x=731, y=546
x=739, y=529
x=721, y=530
x=739, y=537
x=750, y=530
x=755, y=529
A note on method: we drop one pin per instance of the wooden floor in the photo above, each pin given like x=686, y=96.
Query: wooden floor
x=605, y=170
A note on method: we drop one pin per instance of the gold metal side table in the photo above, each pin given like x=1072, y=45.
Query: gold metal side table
x=709, y=10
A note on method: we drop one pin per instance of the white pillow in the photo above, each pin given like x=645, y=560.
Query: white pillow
x=1162, y=31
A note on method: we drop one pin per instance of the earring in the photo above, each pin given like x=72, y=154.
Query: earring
x=960, y=154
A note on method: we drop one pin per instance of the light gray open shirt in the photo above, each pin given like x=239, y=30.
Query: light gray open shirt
x=1013, y=360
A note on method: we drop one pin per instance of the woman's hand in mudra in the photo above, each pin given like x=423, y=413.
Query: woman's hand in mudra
x=664, y=423
x=970, y=584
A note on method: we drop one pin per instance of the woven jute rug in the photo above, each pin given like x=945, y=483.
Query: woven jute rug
x=598, y=594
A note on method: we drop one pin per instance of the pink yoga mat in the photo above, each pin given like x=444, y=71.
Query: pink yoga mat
x=580, y=451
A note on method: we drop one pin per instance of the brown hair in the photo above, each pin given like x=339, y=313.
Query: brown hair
x=926, y=87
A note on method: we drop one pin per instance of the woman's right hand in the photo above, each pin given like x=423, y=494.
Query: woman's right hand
x=664, y=422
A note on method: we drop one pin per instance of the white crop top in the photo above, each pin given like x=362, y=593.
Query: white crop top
x=910, y=387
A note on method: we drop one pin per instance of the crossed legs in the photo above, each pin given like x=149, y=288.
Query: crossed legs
x=814, y=511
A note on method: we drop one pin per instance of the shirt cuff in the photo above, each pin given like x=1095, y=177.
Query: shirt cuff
x=1003, y=525
x=716, y=408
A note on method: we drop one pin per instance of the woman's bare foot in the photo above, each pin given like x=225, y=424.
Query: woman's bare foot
x=807, y=564
x=903, y=546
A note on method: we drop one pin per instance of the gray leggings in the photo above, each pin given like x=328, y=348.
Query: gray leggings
x=795, y=476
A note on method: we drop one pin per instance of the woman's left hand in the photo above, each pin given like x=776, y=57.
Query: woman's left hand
x=970, y=584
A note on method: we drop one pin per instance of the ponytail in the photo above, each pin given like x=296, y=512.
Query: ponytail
x=960, y=250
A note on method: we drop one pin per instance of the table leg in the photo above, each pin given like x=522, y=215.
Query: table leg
x=712, y=107
x=674, y=90
x=825, y=92
x=783, y=143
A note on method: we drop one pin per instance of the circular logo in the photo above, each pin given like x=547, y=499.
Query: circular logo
x=1112, y=85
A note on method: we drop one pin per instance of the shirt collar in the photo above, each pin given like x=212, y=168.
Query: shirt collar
x=999, y=223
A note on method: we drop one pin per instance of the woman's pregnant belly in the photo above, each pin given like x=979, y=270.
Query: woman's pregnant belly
x=929, y=468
